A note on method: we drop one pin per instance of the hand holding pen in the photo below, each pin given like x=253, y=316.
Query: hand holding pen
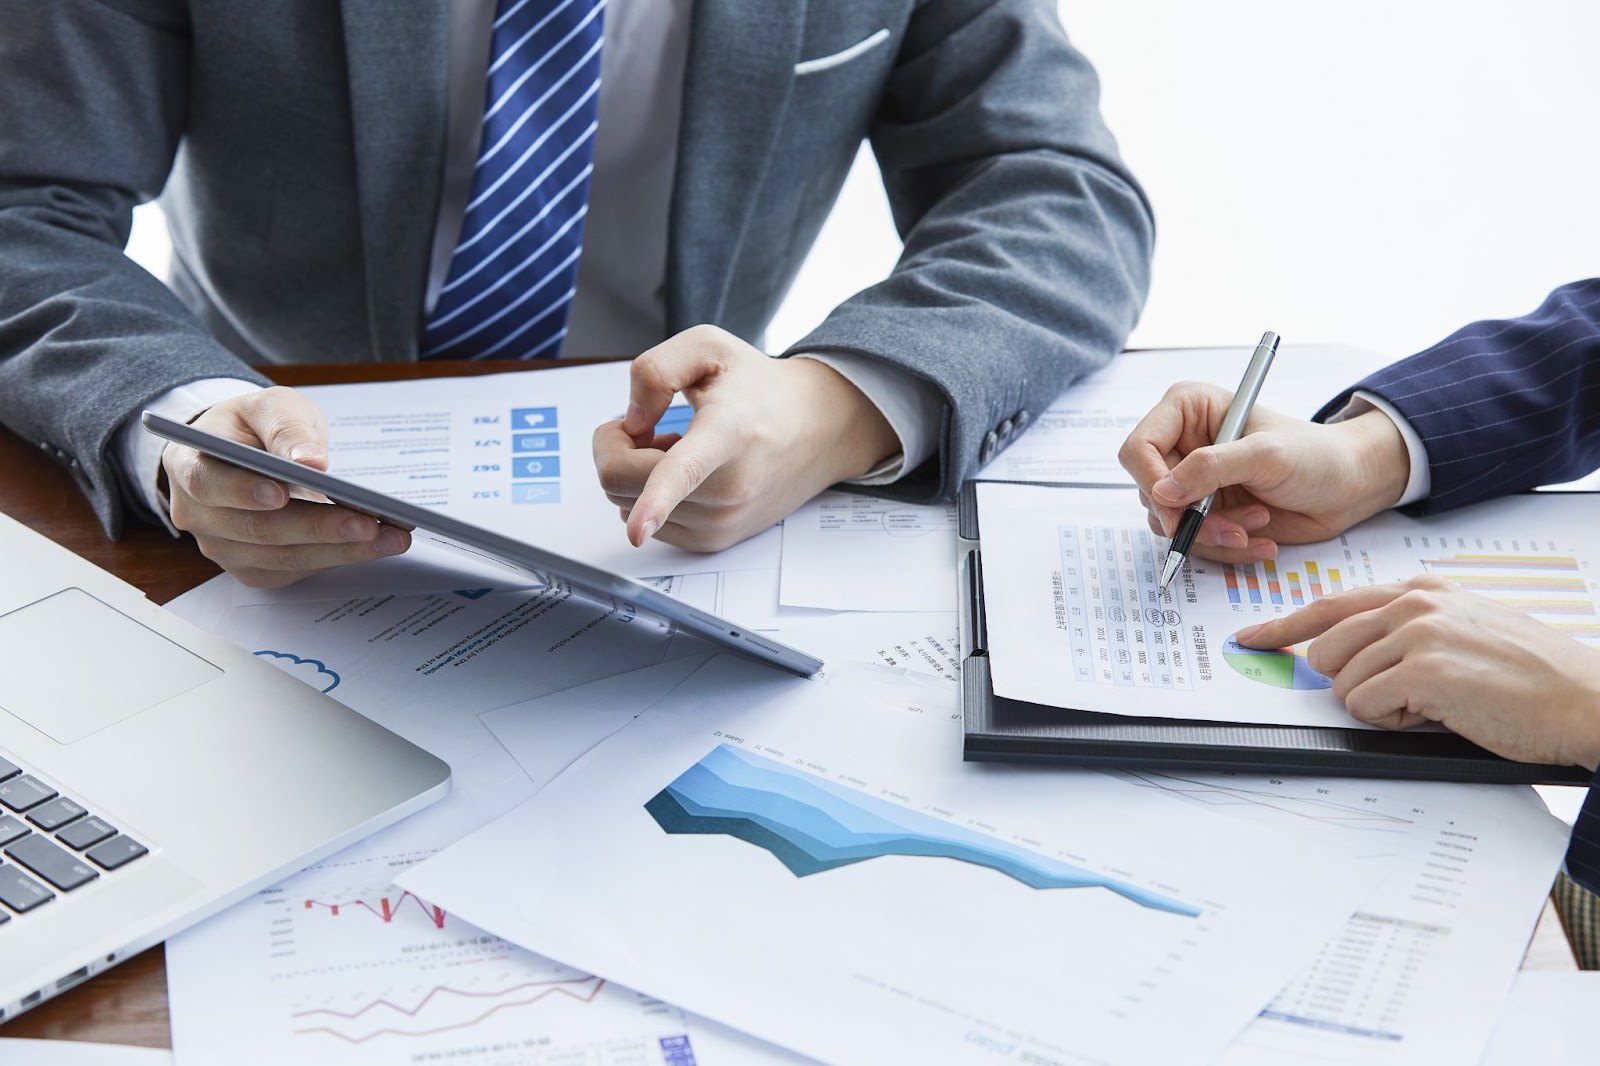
x=1280, y=480
x=1244, y=401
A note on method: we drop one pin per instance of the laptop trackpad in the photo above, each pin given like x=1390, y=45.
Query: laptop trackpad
x=73, y=666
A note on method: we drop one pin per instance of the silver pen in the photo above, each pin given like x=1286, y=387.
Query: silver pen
x=1232, y=429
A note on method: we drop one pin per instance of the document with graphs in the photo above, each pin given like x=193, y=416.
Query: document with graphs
x=898, y=904
x=512, y=453
x=1076, y=618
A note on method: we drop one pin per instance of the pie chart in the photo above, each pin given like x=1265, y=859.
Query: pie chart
x=1280, y=668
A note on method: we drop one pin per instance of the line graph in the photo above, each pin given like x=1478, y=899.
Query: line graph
x=580, y=990
x=385, y=909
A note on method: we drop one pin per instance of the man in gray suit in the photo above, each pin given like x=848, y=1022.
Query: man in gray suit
x=334, y=173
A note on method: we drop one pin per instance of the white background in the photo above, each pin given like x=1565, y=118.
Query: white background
x=1376, y=173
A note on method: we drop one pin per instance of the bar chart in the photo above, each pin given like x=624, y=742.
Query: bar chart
x=1552, y=588
x=1284, y=583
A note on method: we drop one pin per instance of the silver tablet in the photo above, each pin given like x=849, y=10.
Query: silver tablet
x=588, y=582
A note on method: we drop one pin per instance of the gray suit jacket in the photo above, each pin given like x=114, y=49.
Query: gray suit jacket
x=301, y=146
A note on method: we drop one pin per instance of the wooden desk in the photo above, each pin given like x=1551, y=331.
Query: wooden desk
x=128, y=1004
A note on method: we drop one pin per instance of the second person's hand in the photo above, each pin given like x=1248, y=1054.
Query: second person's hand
x=1285, y=481
x=1425, y=650
x=767, y=435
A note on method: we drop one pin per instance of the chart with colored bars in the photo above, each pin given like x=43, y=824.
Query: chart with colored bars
x=1121, y=629
x=1549, y=585
x=1291, y=581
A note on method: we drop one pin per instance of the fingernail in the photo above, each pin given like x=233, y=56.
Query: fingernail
x=1232, y=538
x=390, y=541
x=357, y=528
x=301, y=452
x=269, y=495
x=1246, y=634
x=649, y=530
x=1168, y=489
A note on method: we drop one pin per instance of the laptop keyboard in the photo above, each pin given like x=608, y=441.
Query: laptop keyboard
x=50, y=844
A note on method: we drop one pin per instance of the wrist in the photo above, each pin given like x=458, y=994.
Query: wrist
x=848, y=434
x=1585, y=742
x=1382, y=459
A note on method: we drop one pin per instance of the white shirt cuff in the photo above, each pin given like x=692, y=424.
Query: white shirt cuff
x=914, y=409
x=1420, y=481
x=139, y=452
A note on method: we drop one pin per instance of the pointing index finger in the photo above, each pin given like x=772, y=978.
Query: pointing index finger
x=1316, y=619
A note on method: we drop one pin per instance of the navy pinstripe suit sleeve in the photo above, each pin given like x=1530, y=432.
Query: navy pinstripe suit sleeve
x=1502, y=406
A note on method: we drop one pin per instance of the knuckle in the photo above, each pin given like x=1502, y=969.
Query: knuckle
x=690, y=471
x=254, y=527
x=1428, y=583
x=645, y=372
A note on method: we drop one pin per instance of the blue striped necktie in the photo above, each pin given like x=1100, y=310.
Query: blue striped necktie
x=515, y=265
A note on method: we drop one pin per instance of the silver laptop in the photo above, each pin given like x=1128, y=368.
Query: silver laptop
x=152, y=774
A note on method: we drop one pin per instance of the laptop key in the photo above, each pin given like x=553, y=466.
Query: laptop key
x=118, y=851
x=8, y=768
x=55, y=814
x=85, y=834
x=11, y=829
x=60, y=868
x=21, y=793
x=20, y=892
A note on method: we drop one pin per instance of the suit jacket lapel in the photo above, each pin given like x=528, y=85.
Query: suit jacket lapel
x=736, y=85
x=396, y=59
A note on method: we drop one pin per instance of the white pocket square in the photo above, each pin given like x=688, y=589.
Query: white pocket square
x=811, y=66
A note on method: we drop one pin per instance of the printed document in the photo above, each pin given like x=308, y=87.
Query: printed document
x=1418, y=970
x=335, y=965
x=1076, y=619
x=899, y=905
x=512, y=453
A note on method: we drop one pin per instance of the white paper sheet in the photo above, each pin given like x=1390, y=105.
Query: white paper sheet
x=545, y=735
x=1416, y=973
x=1075, y=619
x=1549, y=1019
x=922, y=643
x=751, y=597
x=1077, y=438
x=512, y=453
x=77, y=1053
x=902, y=957
x=847, y=552
x=335, y=965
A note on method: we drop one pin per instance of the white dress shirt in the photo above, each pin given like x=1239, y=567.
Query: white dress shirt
x=1420, y=481
x=620, y=306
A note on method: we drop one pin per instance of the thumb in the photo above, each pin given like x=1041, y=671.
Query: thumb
x=1247, y=461
x=290, y=425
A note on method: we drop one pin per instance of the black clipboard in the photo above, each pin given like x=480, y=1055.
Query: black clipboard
x=1006, y=730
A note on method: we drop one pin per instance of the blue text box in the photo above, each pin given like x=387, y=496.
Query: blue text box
x=536, y=442
x=536, y=492
x=533, y=418
x=536, y=466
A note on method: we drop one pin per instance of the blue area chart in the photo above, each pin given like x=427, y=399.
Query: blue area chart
x=812, y=825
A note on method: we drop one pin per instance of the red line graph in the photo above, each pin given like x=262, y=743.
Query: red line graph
x=582, y=990
x=385, y=909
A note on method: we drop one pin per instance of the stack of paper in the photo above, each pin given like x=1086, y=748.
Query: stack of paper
x=657, y=856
